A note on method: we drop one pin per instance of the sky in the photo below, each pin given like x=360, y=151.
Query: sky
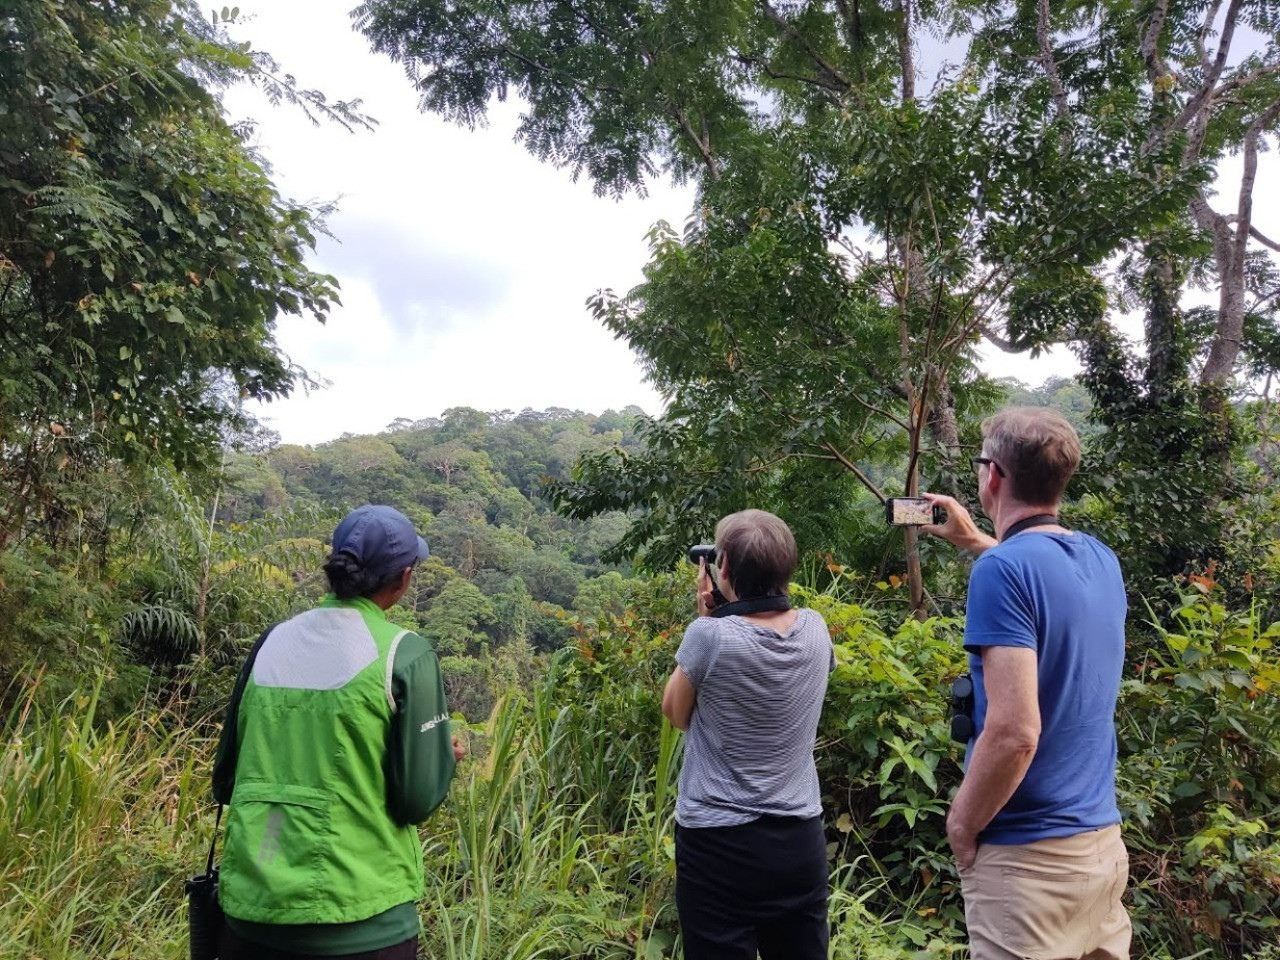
x=464, y=263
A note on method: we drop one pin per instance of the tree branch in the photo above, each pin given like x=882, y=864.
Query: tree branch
x=778, y=20
x=891, y=417
x=770, y=464
x=1257, y=235
x=1060, y=104
x=906, y=58
x=534, y=65
x=108, y=85
x=828, y=87
x=1211, y=15
x=1248, y=176
x=1195, y=113
x=1230, y=248
x=1150, y=46
x=1244, y=80
x=852, y=18
x=853, y=468
x=703, y=143
x=990, y=335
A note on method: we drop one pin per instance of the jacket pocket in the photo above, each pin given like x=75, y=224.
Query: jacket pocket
x=277, y=834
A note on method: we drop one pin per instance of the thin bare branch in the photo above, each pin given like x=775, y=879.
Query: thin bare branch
x=701, y=143
x=108, y=85
x=853, y=468
x=829, y=88
x=770, y=464
x=891, y=417
x=1266, y=242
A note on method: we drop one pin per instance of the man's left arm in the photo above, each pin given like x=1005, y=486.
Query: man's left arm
x=1004, y=750
x=421, y=756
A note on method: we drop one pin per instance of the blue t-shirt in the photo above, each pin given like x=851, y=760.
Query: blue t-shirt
x=1062, y=596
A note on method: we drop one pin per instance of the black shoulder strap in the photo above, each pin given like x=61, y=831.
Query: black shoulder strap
x=1039, y=520
x=231, y=723
x=741, y=608
x=242, y=681
x=213, y=843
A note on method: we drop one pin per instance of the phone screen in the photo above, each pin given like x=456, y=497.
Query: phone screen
x=910, y=511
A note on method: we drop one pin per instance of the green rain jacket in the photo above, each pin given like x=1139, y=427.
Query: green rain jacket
x=339, y=745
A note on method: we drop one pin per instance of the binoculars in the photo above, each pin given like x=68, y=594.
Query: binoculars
x=962, y=725
x=704, y=551
x=204, y=915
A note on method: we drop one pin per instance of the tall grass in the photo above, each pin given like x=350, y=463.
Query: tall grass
x=98, y=827
x=557, y=841
x=530, y=865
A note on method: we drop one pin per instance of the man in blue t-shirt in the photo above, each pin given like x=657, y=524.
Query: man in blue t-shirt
x=1034, y=827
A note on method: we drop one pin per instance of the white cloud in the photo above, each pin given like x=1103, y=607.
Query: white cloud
x=465, y=263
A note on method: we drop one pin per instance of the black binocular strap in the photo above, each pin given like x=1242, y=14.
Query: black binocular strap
x=1039, y=520
x=755, y=605
x=233, y=709
x=208, y=867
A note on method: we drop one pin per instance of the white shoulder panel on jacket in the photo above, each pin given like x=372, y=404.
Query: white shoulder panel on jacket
x=321, y=649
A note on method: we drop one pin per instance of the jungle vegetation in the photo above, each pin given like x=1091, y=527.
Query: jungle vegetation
x=813, y=327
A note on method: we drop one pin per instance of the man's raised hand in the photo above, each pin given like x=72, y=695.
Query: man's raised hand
x=958, y=529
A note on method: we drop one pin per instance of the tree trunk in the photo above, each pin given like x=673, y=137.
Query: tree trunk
x=1166, y=362
x=916, y=419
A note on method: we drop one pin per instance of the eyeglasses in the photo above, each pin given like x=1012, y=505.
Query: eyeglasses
x=979, y=461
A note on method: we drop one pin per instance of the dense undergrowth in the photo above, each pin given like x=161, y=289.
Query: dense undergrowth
x=557, y=840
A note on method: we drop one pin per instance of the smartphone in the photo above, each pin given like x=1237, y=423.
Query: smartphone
x=912, y=512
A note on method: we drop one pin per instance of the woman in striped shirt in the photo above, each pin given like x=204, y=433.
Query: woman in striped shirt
x=748, y=686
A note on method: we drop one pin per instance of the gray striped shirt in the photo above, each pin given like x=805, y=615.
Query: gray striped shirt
x=748, y=752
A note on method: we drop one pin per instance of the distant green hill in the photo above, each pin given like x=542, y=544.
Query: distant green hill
x=504, y=566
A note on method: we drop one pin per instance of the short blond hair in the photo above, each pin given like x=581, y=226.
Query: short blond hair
x=761, y=551
x=1038, y=450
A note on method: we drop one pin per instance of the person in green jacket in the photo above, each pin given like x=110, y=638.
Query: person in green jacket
x=337, y=744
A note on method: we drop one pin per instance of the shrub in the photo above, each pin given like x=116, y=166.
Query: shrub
x=888, y=765
x=1199, y=778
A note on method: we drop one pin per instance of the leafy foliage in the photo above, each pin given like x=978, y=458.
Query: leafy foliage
x=98, y=828
x=1200, y=728
x=558, y=838
x=853, y=238
x=146, y=253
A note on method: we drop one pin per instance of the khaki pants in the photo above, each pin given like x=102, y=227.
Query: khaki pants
x=1054, y=899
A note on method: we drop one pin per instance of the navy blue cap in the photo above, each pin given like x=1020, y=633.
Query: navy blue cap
x=379, y=538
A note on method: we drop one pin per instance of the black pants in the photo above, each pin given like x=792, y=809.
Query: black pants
x=761, y=886
x=232, y=946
